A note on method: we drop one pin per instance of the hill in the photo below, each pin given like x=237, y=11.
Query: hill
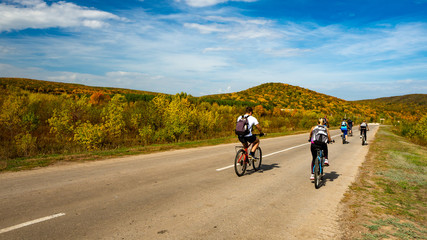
x=293, y=98
x=57, y=88
x=282, y=95
x=415, y=99
x=409, y=107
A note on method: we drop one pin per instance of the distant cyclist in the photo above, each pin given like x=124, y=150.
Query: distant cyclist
x=344, y=128
x=326, y=122
x=363, y=127
x=249, y=138
x=319, y=137
x=350, y=126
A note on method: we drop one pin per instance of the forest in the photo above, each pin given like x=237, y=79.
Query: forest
x=40, y=117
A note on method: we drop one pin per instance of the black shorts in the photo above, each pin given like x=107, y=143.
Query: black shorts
x=246, y=140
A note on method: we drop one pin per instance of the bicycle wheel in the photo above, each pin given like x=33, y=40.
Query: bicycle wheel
x=317, y=174
x=240, y=163
x=363, y=139
x=257, y=162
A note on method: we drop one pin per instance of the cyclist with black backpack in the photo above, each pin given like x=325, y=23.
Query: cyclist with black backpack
x=244, y=128
x=319, y=137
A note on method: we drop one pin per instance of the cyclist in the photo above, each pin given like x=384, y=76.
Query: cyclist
x=249, y=138
x=326, y=122
x=344, y=129
x=363, y=127
x=350, y=126
x=319, y=137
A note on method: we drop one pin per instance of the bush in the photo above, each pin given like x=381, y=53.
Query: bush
x=26, y=144
x=89, y=135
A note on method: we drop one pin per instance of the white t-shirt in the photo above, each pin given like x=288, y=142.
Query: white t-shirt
x=251, y=122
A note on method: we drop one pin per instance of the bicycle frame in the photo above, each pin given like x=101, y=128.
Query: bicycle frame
x=245, y=156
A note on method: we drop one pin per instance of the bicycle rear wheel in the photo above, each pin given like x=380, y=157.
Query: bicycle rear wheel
x=240, y=163
x=257, y=162
x=317, y=174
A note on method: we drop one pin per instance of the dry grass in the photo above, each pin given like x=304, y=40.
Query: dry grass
x=389, y=199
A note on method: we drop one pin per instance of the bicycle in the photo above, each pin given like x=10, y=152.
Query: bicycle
x=242, y=160
x=343, y=138
x=319, y=164
x=364, y=138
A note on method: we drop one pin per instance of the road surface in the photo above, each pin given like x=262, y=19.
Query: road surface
x=183, y=194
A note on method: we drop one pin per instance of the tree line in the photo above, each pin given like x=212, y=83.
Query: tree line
x=34, y=123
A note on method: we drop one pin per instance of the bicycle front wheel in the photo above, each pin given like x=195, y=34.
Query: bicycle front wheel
x=240, y=163
x=257, y=162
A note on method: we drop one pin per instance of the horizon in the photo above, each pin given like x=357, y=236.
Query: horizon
x=217, y=93
x=346, y=50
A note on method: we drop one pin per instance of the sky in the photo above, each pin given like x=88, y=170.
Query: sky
x=348, y=49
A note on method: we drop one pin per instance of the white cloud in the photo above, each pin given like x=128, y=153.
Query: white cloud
x=238, y=20
x=287, y=52
x=205, y=29
x=22, y=14
x=252, y=33
x=207, y=3
x=217, y=49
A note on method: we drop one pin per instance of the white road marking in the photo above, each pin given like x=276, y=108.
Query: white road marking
x=30, y=222
x=270, y=154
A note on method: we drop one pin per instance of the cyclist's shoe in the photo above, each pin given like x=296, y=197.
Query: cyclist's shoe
x=252, y=157
x=360, y=136
x=326, y=162
x=312, y=176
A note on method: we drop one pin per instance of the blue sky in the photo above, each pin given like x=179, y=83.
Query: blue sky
x=348, y=49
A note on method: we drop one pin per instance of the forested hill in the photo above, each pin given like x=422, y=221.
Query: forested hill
x=293, y=98
x=405, y=100
x=40, y=86
x=278, y=95
x=411, y=106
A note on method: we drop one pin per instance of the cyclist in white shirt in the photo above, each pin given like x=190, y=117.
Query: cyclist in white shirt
x=249, y=138
x=363, y=127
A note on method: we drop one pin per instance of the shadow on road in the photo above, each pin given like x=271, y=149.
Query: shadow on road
x=264, y=167
x=330, y=177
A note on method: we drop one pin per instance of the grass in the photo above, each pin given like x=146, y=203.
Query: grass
x=27, y=163
x=389, y=199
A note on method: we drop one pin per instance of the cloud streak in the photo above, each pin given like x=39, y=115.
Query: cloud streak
x=207, y=3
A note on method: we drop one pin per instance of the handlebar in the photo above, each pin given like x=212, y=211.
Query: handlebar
x=333, y=141
x=260, y=135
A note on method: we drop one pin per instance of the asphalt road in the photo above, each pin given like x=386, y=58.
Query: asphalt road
x=183, y=194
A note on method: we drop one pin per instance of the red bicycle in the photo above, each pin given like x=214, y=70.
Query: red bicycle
x=243, y=159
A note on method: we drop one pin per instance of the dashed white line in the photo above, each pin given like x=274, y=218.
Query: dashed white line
x=31, y=222
x=270, y=154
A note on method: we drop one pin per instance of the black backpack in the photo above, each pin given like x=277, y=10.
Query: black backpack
x=242, y=126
